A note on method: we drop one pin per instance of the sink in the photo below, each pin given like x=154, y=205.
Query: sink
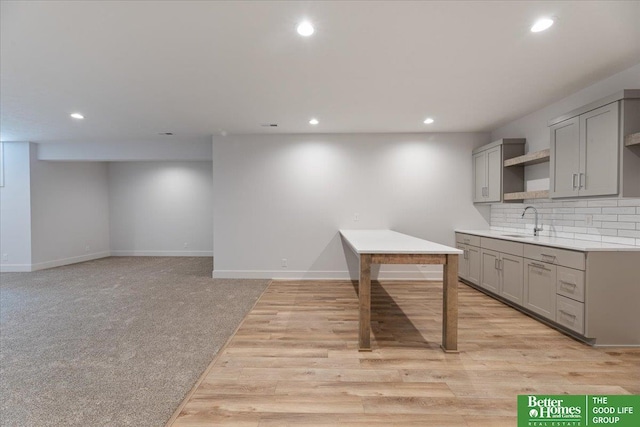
x=518, y=236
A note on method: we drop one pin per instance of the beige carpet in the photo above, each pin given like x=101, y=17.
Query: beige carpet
x=113, y=342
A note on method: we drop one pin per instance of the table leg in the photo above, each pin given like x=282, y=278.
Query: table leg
x=450, y=305
x=364, y=293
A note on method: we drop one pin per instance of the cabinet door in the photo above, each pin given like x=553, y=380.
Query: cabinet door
x=511, y=269
x=473, y=263
x=564, y=163
x=463, y=267
x=490, y=277
x=599, y=155
x=494, y=175
x=479, y=176
x=540, y=288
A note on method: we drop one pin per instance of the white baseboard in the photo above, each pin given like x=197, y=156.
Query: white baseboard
x=15, y=268
x=67, y=261
x=321, y=275
x=162, y=253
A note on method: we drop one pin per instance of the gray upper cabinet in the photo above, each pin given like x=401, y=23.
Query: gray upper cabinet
x=565, y=158
x=584, y=154
x=491, y=178
x=587, y=152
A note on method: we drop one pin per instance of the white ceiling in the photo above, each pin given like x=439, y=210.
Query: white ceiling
x=194, y=68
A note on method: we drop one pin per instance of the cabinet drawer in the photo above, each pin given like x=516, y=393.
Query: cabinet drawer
x=556, y=256
x=570, y=283
x=570, y=313
x=504, y=246
x=468, y=239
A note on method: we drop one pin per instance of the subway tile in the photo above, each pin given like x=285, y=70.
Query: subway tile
x=619, y=240
x=605, y=217
x=629, y=202
x=603, y=231
x=596, y=203
x=563, y=235
x=618, y=225
x=594, y=224
x=588, y=210
x=574, y=217
x=574, y=229
x=629, y=233
x=563, y=210
x=629, y=218
x=629, y=210
x=575, y=204
x=590, y=237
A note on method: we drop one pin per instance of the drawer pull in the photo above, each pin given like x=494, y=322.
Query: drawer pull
x=551, y=257
x=537, y=265
x=568, y=283
x=466, y=240
x=566, y=313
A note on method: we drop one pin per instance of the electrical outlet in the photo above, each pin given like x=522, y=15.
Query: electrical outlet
x=589, y=219
x=5, y=257
x=186, y=245
x=87, y=248
x=356, y=217
x=284, y=263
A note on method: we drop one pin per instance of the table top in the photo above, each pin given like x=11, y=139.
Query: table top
x=392, y=242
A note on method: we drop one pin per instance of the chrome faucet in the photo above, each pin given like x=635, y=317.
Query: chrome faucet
x=535, y=226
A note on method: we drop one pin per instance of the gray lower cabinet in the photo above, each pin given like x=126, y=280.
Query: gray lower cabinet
x=593, y=295
x=512, y=285
x=540, y=288
x=490, y=274
x=469, y=263
x=501, y=268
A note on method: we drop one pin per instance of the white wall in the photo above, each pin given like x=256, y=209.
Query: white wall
x=160, y=208
x=15, y=208
x=69, y=212
x=174, y=148
x=286, y=196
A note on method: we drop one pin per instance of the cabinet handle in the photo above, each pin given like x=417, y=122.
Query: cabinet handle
x=568, y=283
x=573, y=180
x=552, y=257
x=537, y=265
x=495, y=264
x=566, y=313
x=466, y=254
x=580, y=184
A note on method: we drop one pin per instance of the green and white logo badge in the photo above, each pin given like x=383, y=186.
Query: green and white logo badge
x=578, y=411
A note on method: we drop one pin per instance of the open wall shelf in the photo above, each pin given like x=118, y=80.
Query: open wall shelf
x=632, y=139
x=529, y=159
x=541, y=194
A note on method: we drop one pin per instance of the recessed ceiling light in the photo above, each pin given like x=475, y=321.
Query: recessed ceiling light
x=166, y=133
x=305, y=29
x=428, y=121
x=541, y=25
x=77, y=116
x=313, y=122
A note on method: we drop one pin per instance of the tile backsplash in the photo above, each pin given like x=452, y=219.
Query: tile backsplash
x=600, y=220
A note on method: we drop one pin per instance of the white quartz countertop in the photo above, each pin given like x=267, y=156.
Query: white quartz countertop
x=572, y=244
x=392, y=242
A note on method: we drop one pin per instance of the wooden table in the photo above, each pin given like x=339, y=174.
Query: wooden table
x=390, y=247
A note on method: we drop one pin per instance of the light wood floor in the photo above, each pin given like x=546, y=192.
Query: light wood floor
x=294, y=362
